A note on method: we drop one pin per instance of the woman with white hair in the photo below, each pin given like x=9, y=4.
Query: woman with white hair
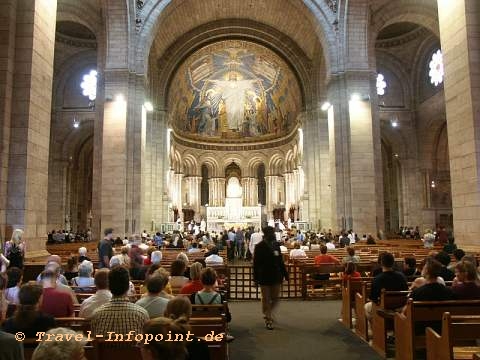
x=84, y=278
x=156, y=257
x=68, y=348
x=82, y=252
x=15, y=249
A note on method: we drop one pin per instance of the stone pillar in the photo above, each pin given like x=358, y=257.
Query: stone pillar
x=250, y=191
x=353, y=134
x=8, y=13
x=273, y=192
x=114, y=167
x=459, y=34
x=192, y=184
x=316, y=163
x=27, y=188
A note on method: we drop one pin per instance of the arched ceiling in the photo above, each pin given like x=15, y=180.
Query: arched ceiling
x=289, y=17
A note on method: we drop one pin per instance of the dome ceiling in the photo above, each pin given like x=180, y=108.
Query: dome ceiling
x=234, y=89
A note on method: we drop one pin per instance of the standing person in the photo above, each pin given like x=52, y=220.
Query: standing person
x=269, y=271
x=239, y=241
x=255, y=239
x=15, y=249
x=105, y=251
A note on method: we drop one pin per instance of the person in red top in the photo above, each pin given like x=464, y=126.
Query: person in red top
x=55, y=302
x=324, y=258
x=350, y=271
x=194, y=284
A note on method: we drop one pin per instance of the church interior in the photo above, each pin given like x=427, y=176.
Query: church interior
x=325, y=119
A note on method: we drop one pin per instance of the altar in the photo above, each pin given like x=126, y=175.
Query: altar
x=230, y=215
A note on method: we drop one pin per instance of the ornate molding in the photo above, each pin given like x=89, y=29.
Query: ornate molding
x=73, y=41
x=403, y=39
x=138, y=14
x=234, y=145
x=333, y=5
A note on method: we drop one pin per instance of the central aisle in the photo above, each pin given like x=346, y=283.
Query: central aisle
x=304, y=330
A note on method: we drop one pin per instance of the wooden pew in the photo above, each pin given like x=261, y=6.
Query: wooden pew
x=407, y=341
x=349, y=289
x=456, y=331
x=383, y=316
x=361, y=298
x=308, y=282
x=206, y=326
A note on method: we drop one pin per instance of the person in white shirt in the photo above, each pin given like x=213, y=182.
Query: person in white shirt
x=4, y=263
x=194, y=248
x=255, y=238
x=351, y=236
x=213, y=258
x=330, y=245
x=102, y=296
x=156, y=257
x=297, y=253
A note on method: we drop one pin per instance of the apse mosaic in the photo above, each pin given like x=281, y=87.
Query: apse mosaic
x=234, y=89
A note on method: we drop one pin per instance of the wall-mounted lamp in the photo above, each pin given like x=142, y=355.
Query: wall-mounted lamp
x=148, y=106
x=325, y=106
x=394, y=123
x=119, y=97
x=432, y=184
x=76, y=123
x=359, y=97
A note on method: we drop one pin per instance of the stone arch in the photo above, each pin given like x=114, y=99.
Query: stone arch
x=68, y=69
x=392, y=12
x=421, y=63
x=212, y=164
x=81, y=12
x=318, y=18
x=392, y=64
x=190, y=165
x=76, y=137
x=253, y=164
x=276, y=165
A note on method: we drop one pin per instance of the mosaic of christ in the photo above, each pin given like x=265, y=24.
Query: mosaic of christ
x=234, y=89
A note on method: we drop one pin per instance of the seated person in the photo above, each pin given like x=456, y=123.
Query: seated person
x=194, y=248
x=56, y=268
x=420, y=281
x=370, y=240
x=351, y=257
x=329, y=244
x=450, y=247
x=54, y=302
x=324, y=258
x=443, y=258
x=53, y=260
x=432, y=290
x=156, y=257
x=167, y=290
x=119, y=315
x=314, y=245
x=458, y=255
x=465, y=285
x=350, y=271
x=71, y=270
x=84, y=278
x=388, y=279
x=152, y=301
x=208, y=295
x=102, y=295
x=194, y=284
x=82, y=252
x=27, y=318
x=296, y=252
x=178, y=308
x=177, y=270
x=14, y=276
x=10, y=348
x=175, y=350
x=213, y=258
x=68, y=348
x=410, y=267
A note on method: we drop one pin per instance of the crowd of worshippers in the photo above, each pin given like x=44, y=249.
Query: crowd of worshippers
x=68, y=236
x=438, y=280
x=109, y=309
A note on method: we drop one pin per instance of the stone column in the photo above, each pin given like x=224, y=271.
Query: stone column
x=316, y=164
x=250, y=191
x=114, y=166
x=192, y=184
x=27, y=188
x=459, y=34
x=354, y=159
